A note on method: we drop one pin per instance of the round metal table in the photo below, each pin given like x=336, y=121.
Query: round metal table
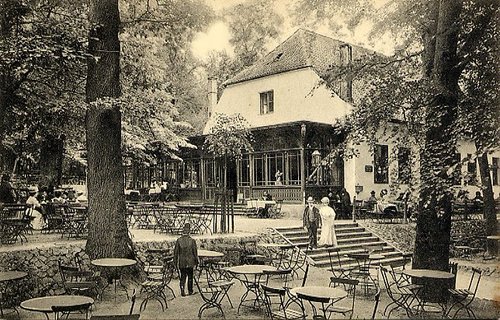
x=250, y=276
x=114, y=264
x=209, y=254
x=435, y=285
x=45, y=304
x=6, y=276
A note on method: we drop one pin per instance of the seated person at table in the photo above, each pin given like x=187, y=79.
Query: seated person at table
x=384, y=206
x=267, y=196
x=186, y=258
x=477, y=202
x=7, y=192
x=36, y=210
x=371, y=203
x=58, y=197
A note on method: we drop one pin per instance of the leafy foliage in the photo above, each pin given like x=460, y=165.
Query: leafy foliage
x=158, y=84
x=42, y=61
x=252, y=25
x=229, y=136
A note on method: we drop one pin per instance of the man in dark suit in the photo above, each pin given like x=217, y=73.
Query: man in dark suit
x=7, y=192
x=311, y=221
x=186, y=258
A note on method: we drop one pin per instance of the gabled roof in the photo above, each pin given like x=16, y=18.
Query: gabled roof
x=302, y=49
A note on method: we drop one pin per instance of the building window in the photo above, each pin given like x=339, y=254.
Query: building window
x=494, y=170
x=266, y=167
x=471, y=178
x=404, y=168
x=191, y=173
x=458, y=170
x=275, y=163
x=293, y=174
x=259, y=170
x=381, y=164
x=267, y=102
x=244, y=171
x=212, y=173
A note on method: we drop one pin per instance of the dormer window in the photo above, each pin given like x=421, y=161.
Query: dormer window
x=267, y=102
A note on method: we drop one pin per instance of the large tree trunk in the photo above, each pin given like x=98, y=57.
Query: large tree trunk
x=489, y=202
x=108, y=234
x=51, y=160
x=434, y=219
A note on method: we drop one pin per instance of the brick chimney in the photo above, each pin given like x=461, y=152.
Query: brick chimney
x=212, y=95
x=346, y=61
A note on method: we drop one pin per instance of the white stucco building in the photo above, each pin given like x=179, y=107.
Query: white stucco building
x=291, y=113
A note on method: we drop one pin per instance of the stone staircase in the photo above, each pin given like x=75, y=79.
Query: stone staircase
x=351, y=238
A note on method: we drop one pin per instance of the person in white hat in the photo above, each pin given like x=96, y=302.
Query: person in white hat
x=311, y=220
x=327, y=213
x=34, y=210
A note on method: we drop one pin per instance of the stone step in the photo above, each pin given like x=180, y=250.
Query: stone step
x=359, y=241
x=394, y=261
x=351, y=238
x=350, y=235
x=338, y=231
x=323, y=254
x=304, y=245
x=340, y=225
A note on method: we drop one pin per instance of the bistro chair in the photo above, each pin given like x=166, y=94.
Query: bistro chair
x=212, y=298
x=275, y=211
x=77, y=281
x=282, y=274
x=462, y=298
x=350, y=287
x=336, y=267
x=274, y=301
x=401, y=296
x=220, y=278
x=316, y=303
x=59, y=311
x=453, y=269
x=293, y=299
x=157, y=282
x=298, y=261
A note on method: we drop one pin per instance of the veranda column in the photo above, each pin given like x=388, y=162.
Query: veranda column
x=303, y=162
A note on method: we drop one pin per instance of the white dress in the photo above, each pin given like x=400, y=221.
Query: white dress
x=328, y=237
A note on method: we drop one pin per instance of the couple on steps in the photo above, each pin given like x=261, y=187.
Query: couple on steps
x=323, y=217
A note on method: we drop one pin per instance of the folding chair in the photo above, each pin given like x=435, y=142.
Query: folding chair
x=211, y=296
x=281, y=312
x=275, y=211
x=350, y=287
x=61, y=310
x=336, y=268
x=401, y=296
x=77, y=281
x=156, y=284
x=222, y=279
x=283, y=274
x=323, y=302
x=464, y=297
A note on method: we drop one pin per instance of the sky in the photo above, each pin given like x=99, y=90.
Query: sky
x=216, y=37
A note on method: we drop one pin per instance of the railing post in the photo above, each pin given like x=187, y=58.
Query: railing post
x=354, y=209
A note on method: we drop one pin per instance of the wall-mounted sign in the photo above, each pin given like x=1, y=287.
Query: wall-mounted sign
x=368, y=168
